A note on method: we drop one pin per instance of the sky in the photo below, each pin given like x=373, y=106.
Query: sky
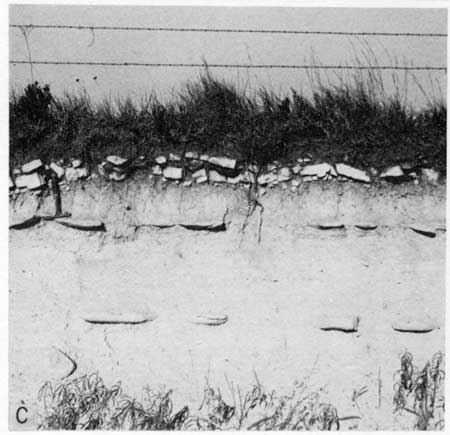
x=101, y=82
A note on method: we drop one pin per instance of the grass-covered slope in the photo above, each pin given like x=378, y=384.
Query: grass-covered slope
x=354, y=123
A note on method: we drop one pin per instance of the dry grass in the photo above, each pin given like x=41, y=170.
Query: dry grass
x=354, y=122
x=86, y=403
x=421, y=392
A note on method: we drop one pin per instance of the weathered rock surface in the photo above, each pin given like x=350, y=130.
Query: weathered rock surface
x=173, y=173
x=30, y=181
x=223, y=162
x=318, y=170
x=58, y=170
x=394, y=171
x=353, y=173
x=32, y=166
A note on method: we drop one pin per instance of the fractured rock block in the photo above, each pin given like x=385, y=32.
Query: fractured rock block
x=223, y=162
x=394, y=171
x=32, y=166
x=318, y=170
x=58, y=170
x=353, y=173
x=30, y=181
x=172, y=173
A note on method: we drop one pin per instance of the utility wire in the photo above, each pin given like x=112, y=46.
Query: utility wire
x=216, y=65
x=187, y=29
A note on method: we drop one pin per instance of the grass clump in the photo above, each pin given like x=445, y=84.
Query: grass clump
x=86, y=403
x=421, y=392
x=354, y=122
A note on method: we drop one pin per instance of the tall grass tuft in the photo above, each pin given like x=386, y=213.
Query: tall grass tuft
x=354, y=122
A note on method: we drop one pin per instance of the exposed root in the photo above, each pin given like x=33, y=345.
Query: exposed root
x=251, y=207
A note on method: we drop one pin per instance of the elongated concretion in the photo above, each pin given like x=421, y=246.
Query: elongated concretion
x=27, y=223
x=413, y=326
x=83, y=225
x=424, y=230
x=366, y=226
x=332, y=225
x=343, y=324
x=209, y=227
x=102, y=318
x=209, y=320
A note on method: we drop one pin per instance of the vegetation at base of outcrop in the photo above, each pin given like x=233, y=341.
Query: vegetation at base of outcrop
x=86, y=403
x=355, y=123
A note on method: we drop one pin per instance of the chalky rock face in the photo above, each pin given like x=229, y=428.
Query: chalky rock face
x=30, y=181
x=32, y=166
x=172, y=173
x=116, y=160
x=352, y=173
